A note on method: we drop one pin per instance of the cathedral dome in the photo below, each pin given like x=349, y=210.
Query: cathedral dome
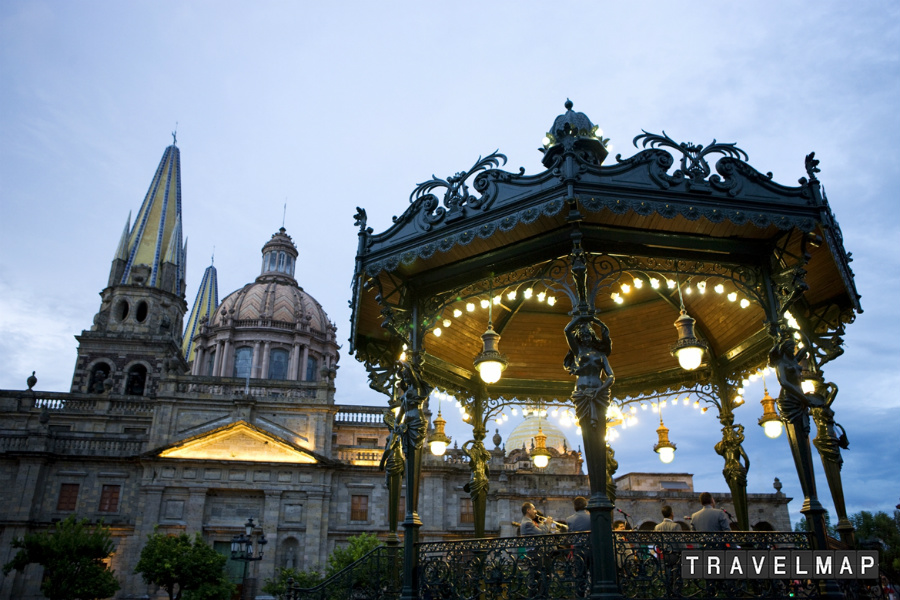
x=526, y=430
x=270, y=328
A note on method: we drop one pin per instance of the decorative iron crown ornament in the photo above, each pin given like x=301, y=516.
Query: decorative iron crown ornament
x=693, y=161
x=573, y=132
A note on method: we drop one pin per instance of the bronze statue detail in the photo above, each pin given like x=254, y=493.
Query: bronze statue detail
x=587, y=360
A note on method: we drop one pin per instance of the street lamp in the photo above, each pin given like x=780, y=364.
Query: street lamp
x=770, y=421
x=664, y=447
x=438, y=440
x=242, y=549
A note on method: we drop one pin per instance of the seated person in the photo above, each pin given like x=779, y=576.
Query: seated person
x=580, y=520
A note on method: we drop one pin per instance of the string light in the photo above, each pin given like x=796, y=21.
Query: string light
x=719, y=288
x=744, y=303
x=457, y=313
x=528, y=293
x=654, y=283
x=638, y=283
x=470, y=307
x=511, y=295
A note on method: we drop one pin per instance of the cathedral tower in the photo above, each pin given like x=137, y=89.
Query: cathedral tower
x=136, y=335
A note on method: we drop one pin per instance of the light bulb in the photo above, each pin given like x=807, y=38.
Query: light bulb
x=514, y=411
x=744, y=303
x=485, y=304
x=667, y=455
x=808, y=386
x=457, y=313
x=551, y=300
x=670, y=283
x=701, y=287
x=638, y=283
x=732, y=296
x=437, y=332
x=654, y=283
x=497, y=300
x=626, y=288
x=541, y=461
x=643, y=406
x=545, y=141
x=719, y=288
x=528, y=293
x=541, y=296
x=446, y=322
x=772, y=429
x=470, y=307
x=511, y=295
x=438, y=448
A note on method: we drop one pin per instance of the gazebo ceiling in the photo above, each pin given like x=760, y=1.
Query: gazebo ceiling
x=641, y=226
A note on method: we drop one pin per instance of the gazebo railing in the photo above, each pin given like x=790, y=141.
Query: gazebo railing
x=558, y=566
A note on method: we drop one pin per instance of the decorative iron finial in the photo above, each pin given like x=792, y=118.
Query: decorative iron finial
x=175, y=134
x=812, y=166
x=569, y=104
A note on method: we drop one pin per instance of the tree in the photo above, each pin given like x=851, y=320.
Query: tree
x=303, y=579
x=885, y=529
x=357, y=547
x=72, y=554
x=184, y=567
x=803, y=526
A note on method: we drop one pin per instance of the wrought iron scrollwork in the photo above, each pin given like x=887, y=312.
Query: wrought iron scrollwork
x=693, y=157
x=456, y=197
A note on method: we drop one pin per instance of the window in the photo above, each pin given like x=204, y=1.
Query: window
x=312, y=369
x=281, y=261
x=289, y=269
x=137, y=378
x=466, y=513
x=109, y=498
x=243, y=360
x=142, y=311
x=210, y=363
x=68, y=497
x=278, y=364
x=359, y=508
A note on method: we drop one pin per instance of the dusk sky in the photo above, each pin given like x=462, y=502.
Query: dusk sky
x=330, y=106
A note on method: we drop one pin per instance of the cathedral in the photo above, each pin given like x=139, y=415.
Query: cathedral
x=196, y=425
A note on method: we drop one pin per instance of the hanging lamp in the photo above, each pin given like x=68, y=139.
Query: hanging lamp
x=688, y=349
x=664, y=447
x=489, y=362
x=540, y=456
x=770, y=421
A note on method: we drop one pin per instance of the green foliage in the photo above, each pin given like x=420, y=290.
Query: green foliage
x=357, y=547
x=883, y=527
x=72, y=555
x=803, y=526
x=184, y=566
x=304, y=579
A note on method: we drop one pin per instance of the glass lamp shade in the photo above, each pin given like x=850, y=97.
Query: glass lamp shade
x=438, y=448
x=438, y=440
x=808, y=386
x=773, y=429
x=667, y=454
x=689, y=358
x=541, y=460
x=490, y=371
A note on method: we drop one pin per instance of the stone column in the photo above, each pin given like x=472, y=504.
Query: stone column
x=269, y=524
x=294, y=362
x=264, y=371
x=303, y=360
x=225, y=360
x=217, y=365
x=193, y=512
x=255, y=371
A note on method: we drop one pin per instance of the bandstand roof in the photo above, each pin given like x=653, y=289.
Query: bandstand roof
x=642, y=221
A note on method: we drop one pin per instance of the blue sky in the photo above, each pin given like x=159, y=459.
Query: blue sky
x=329, y=106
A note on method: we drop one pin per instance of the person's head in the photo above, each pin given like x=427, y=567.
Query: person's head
x=706, y=499
x=580, y=503
x=667, y=512
x=528, y=510
x=619, y=526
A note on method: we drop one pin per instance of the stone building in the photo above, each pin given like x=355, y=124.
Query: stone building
x=236, y=418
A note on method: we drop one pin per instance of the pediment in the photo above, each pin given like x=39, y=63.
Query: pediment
x=238, y=441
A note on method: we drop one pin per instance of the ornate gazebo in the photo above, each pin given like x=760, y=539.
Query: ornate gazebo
x=602, y=285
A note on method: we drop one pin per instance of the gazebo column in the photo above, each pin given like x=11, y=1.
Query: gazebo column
x=829, y=444
x=731, y=449
x=587, y=360
x=478, y=461
x=413, y=426
x=612, y=465
x=392, y=463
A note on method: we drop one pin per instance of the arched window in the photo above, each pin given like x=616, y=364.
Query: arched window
x=312, y=369
x=278, y=364
x=136, y=380
x=243, y=360
x=289, y=268
x=99, y=374
x=281, y=261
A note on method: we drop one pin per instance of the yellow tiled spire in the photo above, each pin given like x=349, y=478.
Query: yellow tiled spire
x=204, y=307
x=155, y=238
